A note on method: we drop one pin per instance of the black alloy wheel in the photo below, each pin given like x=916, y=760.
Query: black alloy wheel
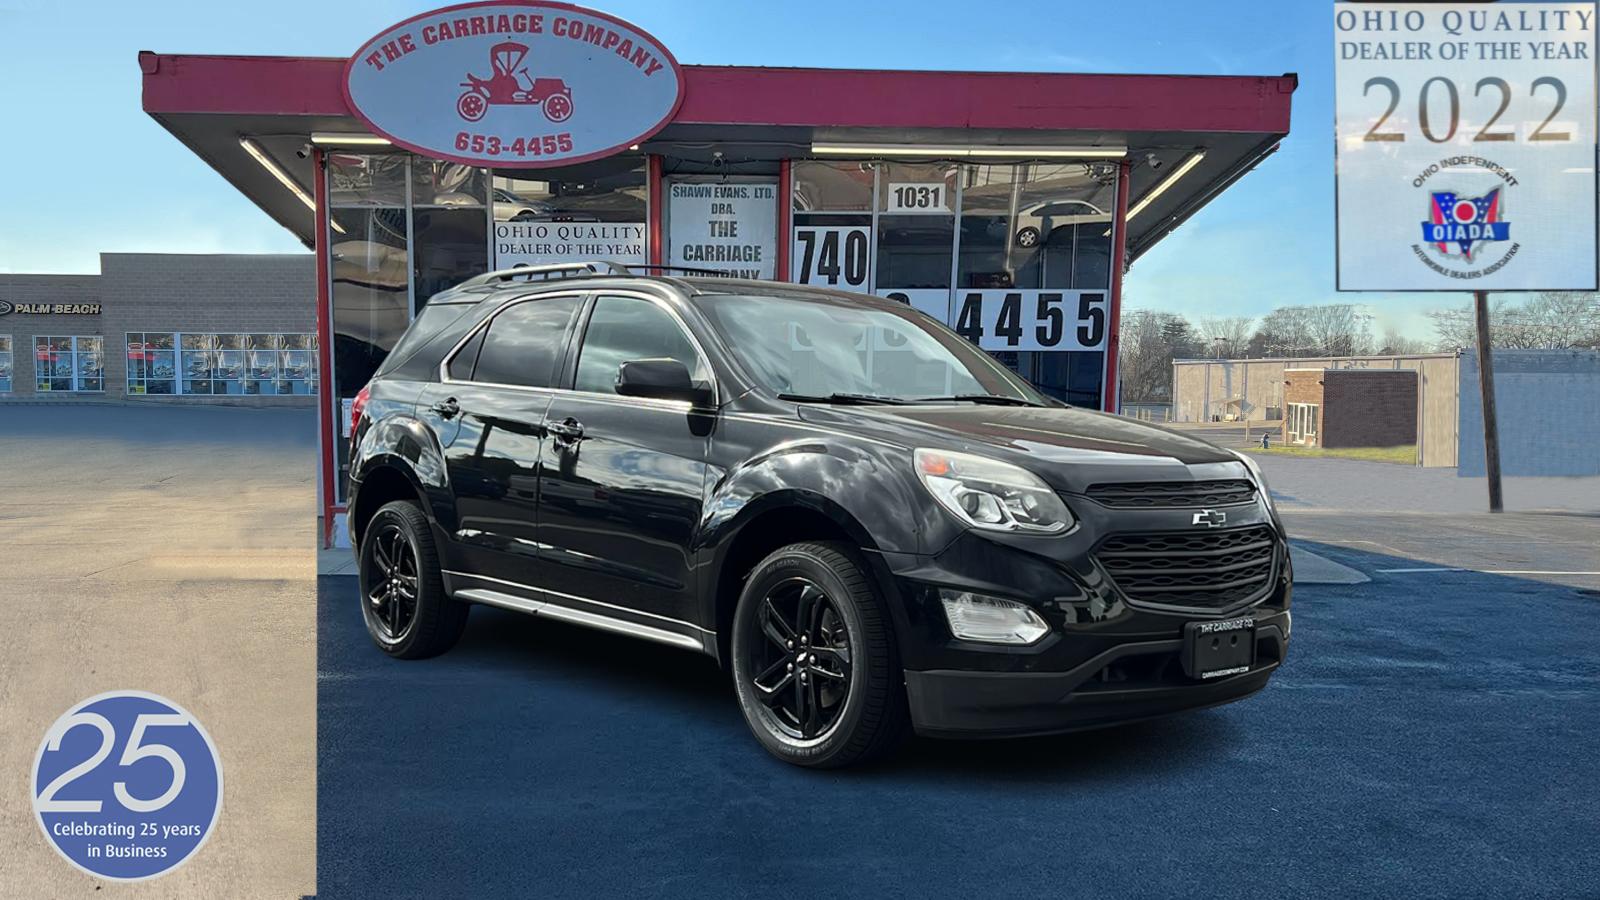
x=803, y=666
x=392, y=590
x=815, y=665
x=403, y=599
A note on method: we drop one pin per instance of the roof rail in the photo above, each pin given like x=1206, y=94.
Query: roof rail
x=687, y=269
x=547, y=272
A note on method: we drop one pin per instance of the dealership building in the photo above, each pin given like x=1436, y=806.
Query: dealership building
x=163, y=328
x=491, y=136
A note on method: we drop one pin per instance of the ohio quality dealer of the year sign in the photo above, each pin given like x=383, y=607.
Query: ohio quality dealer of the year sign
x=514, y=84
x=1465, y=155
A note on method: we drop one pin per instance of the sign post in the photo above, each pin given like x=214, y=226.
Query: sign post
x=1491, y=426
x=1465, y=155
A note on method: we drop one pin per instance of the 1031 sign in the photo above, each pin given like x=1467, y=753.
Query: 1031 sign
x=1046, y=320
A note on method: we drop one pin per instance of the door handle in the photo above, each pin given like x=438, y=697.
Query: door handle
x=566, y=431
x=447, y=409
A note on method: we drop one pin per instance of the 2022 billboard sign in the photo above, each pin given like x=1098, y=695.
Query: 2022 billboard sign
x=518, y=83
x=1465, y=154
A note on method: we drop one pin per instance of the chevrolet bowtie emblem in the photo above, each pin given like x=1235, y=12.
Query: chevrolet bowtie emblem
x=1211, y=518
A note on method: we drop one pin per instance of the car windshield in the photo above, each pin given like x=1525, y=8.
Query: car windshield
x=816, y=346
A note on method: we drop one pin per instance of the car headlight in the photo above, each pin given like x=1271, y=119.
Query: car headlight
x=989, y=494
x=1255, y=472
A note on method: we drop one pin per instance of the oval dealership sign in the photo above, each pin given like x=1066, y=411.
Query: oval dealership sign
x=514, y=84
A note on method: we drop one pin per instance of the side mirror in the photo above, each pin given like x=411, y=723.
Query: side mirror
x=662, y=379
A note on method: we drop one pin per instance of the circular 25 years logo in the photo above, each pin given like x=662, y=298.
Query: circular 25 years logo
x=127, y=785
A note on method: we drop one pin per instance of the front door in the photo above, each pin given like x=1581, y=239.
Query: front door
x=621, y=478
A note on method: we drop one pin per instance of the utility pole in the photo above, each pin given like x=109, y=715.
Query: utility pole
x=1491, y=428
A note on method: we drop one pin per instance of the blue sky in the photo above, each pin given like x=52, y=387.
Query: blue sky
x=87, y=170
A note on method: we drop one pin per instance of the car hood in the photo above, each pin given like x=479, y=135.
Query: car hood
x=1070, y=448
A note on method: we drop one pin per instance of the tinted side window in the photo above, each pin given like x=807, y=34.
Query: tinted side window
x=524, y=342
x=627, y=328
x=430, y=323
x=460, y=365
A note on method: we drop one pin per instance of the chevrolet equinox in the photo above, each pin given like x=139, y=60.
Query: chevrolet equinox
x=869, y=522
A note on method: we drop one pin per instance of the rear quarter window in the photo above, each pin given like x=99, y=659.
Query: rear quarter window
x=435, y=330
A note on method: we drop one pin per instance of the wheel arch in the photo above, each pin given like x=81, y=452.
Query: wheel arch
x=385, y=480
x=764, y=525
x=397, y=446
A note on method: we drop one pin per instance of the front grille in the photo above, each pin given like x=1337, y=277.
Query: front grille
x=1172, y=495
x=1195, y=570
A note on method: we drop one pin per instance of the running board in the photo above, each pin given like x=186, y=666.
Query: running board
x=578, y=617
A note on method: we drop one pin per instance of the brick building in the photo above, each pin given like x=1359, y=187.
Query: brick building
x=177, y=328
x=1350, y=407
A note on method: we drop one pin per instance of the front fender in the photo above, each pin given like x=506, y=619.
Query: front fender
x=868, y=492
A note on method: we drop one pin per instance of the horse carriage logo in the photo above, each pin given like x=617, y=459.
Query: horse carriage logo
x=510, y=84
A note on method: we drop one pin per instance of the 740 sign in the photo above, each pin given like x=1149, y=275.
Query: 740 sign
x=1032, y=320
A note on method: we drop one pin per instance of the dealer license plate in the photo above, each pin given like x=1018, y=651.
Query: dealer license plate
x=1218, y=649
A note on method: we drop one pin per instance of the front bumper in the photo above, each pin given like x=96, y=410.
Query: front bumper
x=1106, y=659
x=1136, y=680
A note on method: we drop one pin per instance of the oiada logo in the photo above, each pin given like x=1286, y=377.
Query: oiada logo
x=524, y=83
x=1462, y=230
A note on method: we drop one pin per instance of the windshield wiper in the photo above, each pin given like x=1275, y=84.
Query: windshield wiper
x=844, y=399
x=989, y=399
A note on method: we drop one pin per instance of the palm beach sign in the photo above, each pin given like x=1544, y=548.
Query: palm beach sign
x=514, y=84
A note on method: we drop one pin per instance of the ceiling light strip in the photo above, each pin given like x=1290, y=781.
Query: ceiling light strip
x=1166, y=183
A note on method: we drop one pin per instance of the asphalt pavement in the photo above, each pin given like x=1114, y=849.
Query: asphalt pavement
x=1431, y=734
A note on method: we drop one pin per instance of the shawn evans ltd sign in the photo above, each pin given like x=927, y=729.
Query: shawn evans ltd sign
x=49, y=309
x=514, y=84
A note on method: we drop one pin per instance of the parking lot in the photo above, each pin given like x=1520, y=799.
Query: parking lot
x=167, y=550
x=1431, y=734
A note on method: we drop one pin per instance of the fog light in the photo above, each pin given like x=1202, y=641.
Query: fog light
x=1288, y=624
x=974, y=617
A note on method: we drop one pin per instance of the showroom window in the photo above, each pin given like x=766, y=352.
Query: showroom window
x=369, y=269
x=598, y=210
x=1016, y=258
x=449, y=226
x=225, y=364
x=1033, y=271
x=68, y=364
x=831, y=243
x=152, y=363
x=5, y=364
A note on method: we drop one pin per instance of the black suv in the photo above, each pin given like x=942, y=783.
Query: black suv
x=872, y=524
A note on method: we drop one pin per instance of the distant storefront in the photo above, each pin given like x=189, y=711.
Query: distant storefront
x=179, y=328
x=1350, y=407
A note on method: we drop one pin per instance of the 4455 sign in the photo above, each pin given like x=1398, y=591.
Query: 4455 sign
x=1006, y=319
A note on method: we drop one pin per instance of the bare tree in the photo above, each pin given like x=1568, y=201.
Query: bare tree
x=1150, y=340
x=1552, y=320
x=1396, y=344
x=1337, y=329
x=1227, y=335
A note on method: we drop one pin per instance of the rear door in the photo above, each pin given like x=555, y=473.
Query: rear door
x=490, y=408
x=621, y=478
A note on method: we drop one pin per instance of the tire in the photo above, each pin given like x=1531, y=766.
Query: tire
x=871, y=718
x=400, y=535
x=1028, y=237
